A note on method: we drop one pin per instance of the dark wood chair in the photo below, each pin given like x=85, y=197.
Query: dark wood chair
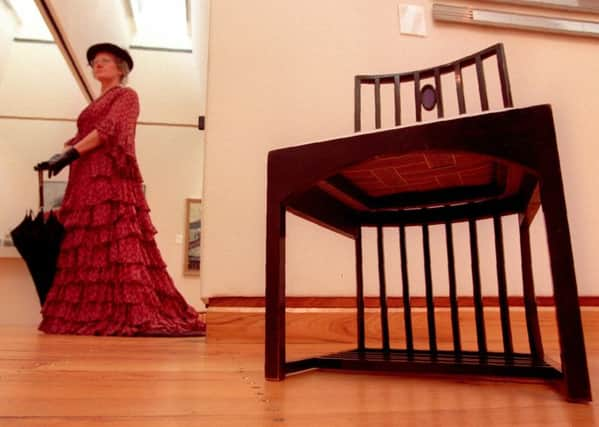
x=448, y=170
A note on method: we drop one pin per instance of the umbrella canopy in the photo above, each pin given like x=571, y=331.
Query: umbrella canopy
x=38, y=241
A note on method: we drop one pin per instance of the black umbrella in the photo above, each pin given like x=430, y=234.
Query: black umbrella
x=38, y=241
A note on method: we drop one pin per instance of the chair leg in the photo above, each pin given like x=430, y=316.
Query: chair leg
x=274, y=364
x=569, y=322
x=360, y=292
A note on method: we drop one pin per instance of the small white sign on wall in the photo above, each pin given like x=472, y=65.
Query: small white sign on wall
x=412, y=20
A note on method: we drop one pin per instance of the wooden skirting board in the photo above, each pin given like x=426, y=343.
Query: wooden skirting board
x=332, y=320
x=350, y=302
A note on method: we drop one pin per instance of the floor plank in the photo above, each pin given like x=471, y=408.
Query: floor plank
x=107, y=381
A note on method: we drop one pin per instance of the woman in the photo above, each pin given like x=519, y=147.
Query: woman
x=110, y=279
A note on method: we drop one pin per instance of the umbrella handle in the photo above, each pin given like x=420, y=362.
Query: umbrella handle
x=40, y=182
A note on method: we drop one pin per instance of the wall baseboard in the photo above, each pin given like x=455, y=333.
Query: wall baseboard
x=373, y=302
x=327, y=321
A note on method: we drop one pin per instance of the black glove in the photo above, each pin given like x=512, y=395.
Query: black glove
x=58, y=161
x=43, y=166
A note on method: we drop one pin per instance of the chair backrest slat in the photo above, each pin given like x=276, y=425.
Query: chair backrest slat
x=397, y=99
x=434, y=75
x=459, y=85
x=377, y=103
x=482, y=87
x=439, y=88
x=417, y=97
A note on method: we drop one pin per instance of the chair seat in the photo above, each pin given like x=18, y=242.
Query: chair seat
x=424, y=179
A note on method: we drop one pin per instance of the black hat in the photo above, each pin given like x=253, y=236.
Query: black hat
x=109, y=48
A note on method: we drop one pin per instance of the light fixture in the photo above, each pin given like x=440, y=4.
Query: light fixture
x=160, y=24
x=32, y=25
x=548, y=24
x=591, y=6
x=8, y=13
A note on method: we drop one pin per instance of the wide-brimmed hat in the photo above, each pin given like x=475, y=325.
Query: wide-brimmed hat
x=109, y=48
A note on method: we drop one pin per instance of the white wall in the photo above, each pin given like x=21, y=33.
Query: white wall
x=282, y=75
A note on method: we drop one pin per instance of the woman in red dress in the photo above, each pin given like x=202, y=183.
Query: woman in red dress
x=110, y=279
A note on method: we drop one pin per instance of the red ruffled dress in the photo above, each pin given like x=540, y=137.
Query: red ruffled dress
x=111, y=279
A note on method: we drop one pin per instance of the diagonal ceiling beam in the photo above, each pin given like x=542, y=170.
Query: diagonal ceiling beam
x=50, y=16
x=77, y=24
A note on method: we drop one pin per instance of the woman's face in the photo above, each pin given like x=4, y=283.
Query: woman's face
x=105, y=67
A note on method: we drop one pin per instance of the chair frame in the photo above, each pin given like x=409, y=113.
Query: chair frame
x=517, y=137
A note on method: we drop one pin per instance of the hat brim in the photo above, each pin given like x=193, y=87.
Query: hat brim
x=109, y=48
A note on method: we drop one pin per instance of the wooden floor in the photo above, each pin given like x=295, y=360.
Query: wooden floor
x=133, y=382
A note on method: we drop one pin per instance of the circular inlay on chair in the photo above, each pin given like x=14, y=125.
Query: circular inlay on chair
x=428, y=95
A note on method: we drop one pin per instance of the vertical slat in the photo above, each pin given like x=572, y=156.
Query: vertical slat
x=506, y=90
x=504, y=307
x=482, y=85
x=357, y=104
x=417, y=96
x=460, y=87
x=382, y=288
x=453, y=295
x=438, y=88
x=397, y=97
x=360, y=292
x=530, y=304
x=481, y=335
x=428, y=280
x=377, y=103
x=407, y=310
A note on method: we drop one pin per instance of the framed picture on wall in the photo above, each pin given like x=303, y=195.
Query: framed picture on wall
x=53, y=194
x=193, y=233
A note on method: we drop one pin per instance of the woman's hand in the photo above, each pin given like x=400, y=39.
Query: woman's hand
x=57, y=162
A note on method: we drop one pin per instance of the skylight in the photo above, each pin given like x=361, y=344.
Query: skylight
x=160, y=24
x=31, y=25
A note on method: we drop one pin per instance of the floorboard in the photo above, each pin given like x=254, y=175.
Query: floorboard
x=132, y=382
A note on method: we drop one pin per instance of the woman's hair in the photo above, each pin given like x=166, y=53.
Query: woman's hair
x=123, y=67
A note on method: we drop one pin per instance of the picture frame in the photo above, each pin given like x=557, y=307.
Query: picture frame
x=193, y=233
x=53, y=194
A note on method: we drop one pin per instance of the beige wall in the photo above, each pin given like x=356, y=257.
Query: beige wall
x=168, y=85
x=170, y=157
x=37, y=82
x=282, y=75
x=7, y=31
x=200, y=34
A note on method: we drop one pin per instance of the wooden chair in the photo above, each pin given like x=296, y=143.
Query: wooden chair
x=471, y=167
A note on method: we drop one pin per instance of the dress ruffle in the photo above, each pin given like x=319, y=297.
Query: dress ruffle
x=111, y=278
